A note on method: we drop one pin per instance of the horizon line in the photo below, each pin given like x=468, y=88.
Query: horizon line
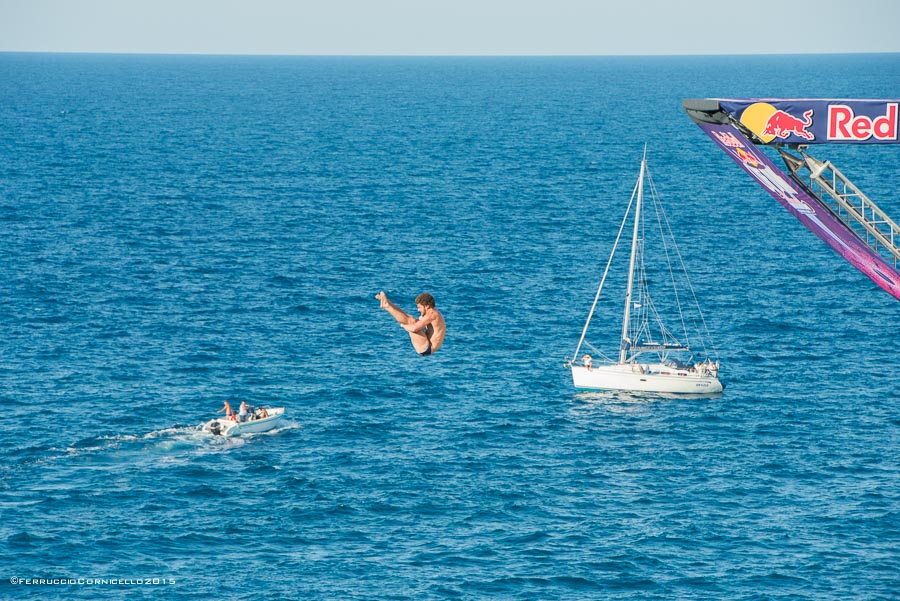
x=440, y=55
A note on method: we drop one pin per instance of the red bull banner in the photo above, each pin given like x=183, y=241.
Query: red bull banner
x=812, y=121
x=804, y=207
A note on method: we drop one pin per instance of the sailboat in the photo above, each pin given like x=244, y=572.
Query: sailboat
x=650, y=357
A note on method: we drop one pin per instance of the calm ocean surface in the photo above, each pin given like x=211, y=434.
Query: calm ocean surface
x=181, y=230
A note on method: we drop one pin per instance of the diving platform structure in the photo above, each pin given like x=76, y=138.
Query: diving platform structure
x=849, y=204
x=815, y=191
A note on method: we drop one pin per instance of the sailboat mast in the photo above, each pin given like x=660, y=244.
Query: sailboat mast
x=623, y=351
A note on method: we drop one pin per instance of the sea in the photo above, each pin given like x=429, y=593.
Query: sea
x=177, y=231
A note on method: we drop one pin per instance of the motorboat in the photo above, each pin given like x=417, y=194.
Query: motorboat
x=262, y=419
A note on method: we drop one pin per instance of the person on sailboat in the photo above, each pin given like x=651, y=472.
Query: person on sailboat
x=427, y=332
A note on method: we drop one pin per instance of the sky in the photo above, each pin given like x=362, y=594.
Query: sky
x=450, y=27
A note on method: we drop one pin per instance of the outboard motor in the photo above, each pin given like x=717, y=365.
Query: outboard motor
x=216, y=428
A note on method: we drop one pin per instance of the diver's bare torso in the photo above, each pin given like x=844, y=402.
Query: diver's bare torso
x=426, y=333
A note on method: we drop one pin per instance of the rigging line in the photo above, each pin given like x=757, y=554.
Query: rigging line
x=639, y=322
x=606, y=271
x=662, y=218
x=650, y=310
x=645, y=309
x=600, y=353
x=704, y=334
x=643, y=305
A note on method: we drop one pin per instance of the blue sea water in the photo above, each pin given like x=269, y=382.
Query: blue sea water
x=177, y=231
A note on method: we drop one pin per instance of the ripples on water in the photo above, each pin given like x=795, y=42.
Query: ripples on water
x=182, y=230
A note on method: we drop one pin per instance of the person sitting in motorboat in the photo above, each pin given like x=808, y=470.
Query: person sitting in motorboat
x=261, y=412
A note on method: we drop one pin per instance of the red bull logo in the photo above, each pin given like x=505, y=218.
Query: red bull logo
x=845, y=125
x=769, y=123
x=747, y=158
x=783, y=125
x=801, y=121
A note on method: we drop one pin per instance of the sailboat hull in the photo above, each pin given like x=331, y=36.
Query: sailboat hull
x=645, y=378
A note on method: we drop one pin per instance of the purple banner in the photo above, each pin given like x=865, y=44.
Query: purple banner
x=808, y=210
x=817, y=121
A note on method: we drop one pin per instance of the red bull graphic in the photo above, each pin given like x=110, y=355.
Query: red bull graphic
x=817, y=121
x=812, y=213
x=781, y=125
x=844, y=125
x=771, y=178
